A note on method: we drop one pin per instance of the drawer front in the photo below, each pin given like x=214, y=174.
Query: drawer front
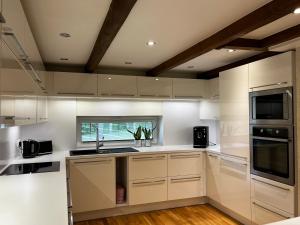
x=147, y=191
x=263, y=215
x=182, y=164
x=147, y=166
x=273, y=194
x=185, y=187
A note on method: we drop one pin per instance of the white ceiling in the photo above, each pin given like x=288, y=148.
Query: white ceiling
x=174, y=25
x=80, y=18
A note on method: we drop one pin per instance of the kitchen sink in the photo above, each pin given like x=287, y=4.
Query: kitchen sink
x=101, y=151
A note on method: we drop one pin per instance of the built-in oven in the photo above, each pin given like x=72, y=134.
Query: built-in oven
x=272, y=106
x=272, y=153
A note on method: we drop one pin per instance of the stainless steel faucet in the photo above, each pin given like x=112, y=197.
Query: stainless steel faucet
x=98, y=143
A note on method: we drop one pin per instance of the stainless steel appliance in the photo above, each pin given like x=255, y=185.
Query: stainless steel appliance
x=201, y=136
x=272, y=152
x=272, y=106
x=45, y=147
x=29, y=148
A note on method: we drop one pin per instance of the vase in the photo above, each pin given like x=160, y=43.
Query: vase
x=147, y=143
x=138, y=143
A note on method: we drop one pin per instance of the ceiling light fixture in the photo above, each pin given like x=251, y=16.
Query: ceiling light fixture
x=109, y=78
x=297, y=10
x=64, y=59
x=156, y=79
x=128, y=63
x=151, y=43
x=230, y=50
x=65, y=35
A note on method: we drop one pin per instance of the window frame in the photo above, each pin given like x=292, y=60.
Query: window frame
x=98, y=119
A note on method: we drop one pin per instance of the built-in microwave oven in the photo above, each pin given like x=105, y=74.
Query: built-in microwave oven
x=272, y=153
x=271, y=106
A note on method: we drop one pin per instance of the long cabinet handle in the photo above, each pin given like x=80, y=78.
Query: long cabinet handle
x=148, y=158
x=70, y=215
x=268, y=85
x=75, y=93
x=271, y=139
x=69, y=194
x=213, y=156
x=149, y=182
x=186, y=179
x=179, y=96
x=185, y=156
x=94, y=161
x=123, y=95
x=272, y=211
x=233, y=161
x=286, y=189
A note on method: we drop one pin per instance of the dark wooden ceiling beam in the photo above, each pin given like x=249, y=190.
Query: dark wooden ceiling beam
x=215, y=72
x=254, y=20
x=245, y=44
x=116, y=16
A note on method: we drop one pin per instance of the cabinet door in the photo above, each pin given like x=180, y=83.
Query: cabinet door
x=25, y=110
x=209, y=110
x=74, y=84
x=7, y=106
x=147, y=166
x=273, y=72
x=148, y=191
x=234, y=112
x=181, y=164
x=117, y=86
x=213, y=182
x=213, y=88
x=154, y=87
x=42, y=109
x=189, y=88
x=93, y=184
x=185, y=187
x=235, y=183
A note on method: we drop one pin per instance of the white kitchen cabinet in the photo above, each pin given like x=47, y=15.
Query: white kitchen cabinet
x=25, y=110
x=148, y=191
x=149, y=87
x=7, y=106
x=209, y=110
x=234, y=112
x=235, y=185
x=93, y=184
x=74, y=84
x=264, y=215
x=147, y=166
x=42, y=109
x=180, y=164
x=117, y=86
x=189, y=88
x=274, y=194
x=212, y=91
x=272, y=72
x=213, y=178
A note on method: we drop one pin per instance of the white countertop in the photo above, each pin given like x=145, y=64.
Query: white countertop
x=35, y=199
x=293, y=221
x=41, y=198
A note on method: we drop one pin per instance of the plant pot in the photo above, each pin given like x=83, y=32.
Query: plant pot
x=148, y=143
x=138, y=143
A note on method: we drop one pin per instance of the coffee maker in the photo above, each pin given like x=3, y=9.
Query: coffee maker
x=201, y=136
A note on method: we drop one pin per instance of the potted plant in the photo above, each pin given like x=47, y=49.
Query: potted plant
x=137, y=136
x=148, y=134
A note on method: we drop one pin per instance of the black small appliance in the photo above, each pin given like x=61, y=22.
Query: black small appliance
x=201, y=137
x=45, y=147
x=29, y=148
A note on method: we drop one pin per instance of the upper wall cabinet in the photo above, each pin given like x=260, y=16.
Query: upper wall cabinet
x=213, y=88
x=74, y=84
x=189, y=88
x=154, y=87
x=117, y=86
x=273, y=72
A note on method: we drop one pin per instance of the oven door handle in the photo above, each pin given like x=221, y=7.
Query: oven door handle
x=271, y=139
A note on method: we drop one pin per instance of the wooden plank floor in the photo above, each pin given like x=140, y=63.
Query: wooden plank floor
x=191, y=215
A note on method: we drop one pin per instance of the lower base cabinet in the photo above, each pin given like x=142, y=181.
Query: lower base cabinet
x=93, y=184
x=148, y=191
x=185, y=187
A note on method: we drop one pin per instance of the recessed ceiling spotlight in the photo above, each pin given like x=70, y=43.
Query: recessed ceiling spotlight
x=65, y=35
x=190, y=67
x=64, y=59
x=156, y=79
x=151, y=43
x=297, y=10
x=128, y=63
x=109, y=78
x=231, y=50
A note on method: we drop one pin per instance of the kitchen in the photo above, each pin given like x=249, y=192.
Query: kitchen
x=113, y=114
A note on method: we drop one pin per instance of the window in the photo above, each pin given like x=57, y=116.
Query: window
x=113, y=129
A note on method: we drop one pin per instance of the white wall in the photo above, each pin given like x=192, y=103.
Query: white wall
x=178, y=118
